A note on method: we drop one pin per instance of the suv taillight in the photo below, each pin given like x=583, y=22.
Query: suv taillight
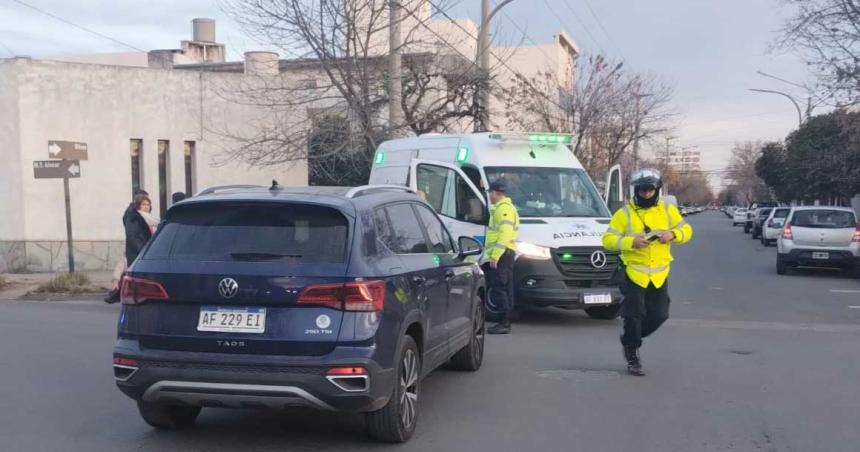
x=138, y=290
x=362, y=296
x=786, y=232
x=856, y=233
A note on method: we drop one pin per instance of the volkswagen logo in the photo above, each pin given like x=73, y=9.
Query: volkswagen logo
x=598, y=259
x=228, y=287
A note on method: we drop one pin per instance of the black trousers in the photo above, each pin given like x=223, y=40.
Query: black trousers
x=644, y=309
x=501, y=284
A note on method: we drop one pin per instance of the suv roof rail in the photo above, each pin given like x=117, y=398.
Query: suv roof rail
x=356, y=191
x=211, y=190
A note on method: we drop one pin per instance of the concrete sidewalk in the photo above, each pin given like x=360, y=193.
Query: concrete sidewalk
x=18, y=285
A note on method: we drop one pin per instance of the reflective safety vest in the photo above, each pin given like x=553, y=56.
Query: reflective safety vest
x=649, y=264
x=502, y=230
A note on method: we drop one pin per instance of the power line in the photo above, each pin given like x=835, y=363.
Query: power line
x=11, y=53
x=600, y=24
x=525, y=34
x=500, y=60
x=575, y=16
x=81, y=27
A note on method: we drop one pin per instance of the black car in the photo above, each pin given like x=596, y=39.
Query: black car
x=332, y=298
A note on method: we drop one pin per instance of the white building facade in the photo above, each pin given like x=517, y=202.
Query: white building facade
x=150, y=128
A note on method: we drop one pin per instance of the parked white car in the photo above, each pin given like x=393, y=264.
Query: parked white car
x=819, y=237
x=772, y=226
x=739, y=216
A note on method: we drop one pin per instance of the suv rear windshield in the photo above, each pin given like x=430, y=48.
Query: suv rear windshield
x=295, y=233
x=825, y=219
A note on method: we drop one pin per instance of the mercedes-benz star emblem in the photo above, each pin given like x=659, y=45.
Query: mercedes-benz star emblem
x=228, y=287
x=598, y=259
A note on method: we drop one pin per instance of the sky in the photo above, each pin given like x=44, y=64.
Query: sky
x=709, y=50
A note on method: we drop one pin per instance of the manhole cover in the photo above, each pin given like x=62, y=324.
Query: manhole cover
x=577, y=374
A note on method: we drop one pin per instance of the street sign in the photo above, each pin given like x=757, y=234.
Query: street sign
x=67, y=150
x=56, y=169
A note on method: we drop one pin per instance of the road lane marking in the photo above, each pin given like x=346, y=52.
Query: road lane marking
x=766, y=326
x=844, y=290
x=853, y=307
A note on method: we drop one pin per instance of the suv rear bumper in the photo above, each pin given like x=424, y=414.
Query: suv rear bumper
x=539, y=283
x=207, y=380
x=803, y=257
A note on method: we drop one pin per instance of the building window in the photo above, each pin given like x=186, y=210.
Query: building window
x=136, y=146
x=190, y=167
x=163, y=174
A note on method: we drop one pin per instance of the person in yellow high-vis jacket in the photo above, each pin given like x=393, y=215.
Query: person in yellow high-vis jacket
x=644, y=231
x=500, y=251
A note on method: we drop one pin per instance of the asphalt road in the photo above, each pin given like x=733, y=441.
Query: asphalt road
x=750, y=361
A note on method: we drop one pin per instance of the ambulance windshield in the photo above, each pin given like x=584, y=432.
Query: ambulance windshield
x=550, y=192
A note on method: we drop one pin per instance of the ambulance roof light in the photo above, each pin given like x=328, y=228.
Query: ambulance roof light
x=541, y=138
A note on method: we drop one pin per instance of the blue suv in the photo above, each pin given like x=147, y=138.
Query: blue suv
x=332, y=298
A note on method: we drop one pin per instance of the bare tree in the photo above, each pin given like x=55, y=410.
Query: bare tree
x=827, y=34
x=609, y=110
x=742, y=171
x=340, y=70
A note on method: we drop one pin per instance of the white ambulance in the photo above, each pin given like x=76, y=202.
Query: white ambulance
x=560, y=258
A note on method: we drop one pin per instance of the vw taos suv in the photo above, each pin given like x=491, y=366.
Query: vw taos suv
x=332, y=298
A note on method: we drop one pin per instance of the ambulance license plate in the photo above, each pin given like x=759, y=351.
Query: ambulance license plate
x=597, y=298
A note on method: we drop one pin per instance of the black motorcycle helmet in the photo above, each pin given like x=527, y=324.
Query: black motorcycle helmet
x=646, y=178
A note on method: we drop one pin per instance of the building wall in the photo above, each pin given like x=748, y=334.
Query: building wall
x=11, y=198
x=105, y=107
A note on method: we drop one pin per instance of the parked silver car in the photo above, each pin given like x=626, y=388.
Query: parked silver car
x=739, y=216
x=819, y=237
x=772, y=227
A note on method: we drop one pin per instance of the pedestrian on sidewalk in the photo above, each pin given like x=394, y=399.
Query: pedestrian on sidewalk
x=643, y=231
x=139, y=228
x=121, y=266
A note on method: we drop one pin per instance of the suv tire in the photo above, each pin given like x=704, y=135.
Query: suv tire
x=171, y=417
x=604, y=312
x=781, y=267
x=470, y=357
x=395, y=422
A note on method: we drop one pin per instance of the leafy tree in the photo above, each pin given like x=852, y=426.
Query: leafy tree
x=770, y=167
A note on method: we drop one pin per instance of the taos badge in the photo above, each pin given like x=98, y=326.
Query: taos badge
x=323, y=321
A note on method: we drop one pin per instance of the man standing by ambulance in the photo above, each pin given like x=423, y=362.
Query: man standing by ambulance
x=500, y=253
x=643, y=231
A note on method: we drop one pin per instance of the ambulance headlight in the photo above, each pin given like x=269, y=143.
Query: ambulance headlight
x=530, y=251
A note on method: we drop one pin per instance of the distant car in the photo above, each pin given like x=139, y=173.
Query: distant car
x=819, y=237
x=758, y=219
x=336, y=299
x=748, y=224
x=773, y=225
x=739, y=216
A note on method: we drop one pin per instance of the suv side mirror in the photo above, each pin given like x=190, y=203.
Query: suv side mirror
x=469, y=246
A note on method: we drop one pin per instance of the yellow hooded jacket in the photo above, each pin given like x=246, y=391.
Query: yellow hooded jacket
x=502, y=230
x=649, y=264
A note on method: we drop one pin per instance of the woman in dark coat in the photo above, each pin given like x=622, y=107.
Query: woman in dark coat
x=139, y=226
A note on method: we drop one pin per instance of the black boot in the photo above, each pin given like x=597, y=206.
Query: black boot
x=112, y=297
x=503, y=327
x=634, y=364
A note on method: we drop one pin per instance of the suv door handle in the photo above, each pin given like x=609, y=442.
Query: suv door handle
x=419, y=280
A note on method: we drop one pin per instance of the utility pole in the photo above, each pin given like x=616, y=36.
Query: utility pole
x=483, y=60
x=395, y=106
